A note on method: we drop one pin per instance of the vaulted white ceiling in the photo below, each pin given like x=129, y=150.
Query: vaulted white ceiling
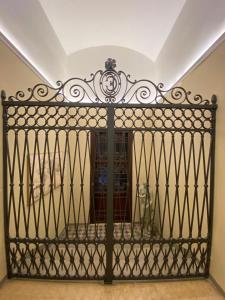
x=139, y=25
x=160, y=39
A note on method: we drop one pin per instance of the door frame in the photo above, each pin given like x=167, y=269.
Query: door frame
x=92, y=218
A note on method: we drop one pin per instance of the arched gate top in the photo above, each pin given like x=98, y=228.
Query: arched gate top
x=108, y=86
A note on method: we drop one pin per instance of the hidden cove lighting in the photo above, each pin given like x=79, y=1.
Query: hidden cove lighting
x=206, y=50
x=13, y=43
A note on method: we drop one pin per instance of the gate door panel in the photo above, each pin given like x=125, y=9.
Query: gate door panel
x=171, y=160
x=108, y=179
x=49, y=192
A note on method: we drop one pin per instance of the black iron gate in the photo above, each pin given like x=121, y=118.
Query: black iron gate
x=108, y=178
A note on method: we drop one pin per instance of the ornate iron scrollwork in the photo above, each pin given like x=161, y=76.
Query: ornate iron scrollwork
x=109, y=86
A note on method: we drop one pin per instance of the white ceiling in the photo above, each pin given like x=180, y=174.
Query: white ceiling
x=139, y=25
x=156, y=39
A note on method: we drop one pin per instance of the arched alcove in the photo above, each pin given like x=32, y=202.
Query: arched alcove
x=136, y=64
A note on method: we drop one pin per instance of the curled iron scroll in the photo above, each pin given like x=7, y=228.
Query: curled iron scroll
x=109, y=86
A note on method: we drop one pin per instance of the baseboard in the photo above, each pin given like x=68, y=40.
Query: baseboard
x=211, y=278
x=3, y=280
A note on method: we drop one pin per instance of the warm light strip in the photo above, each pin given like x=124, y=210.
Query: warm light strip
x=9, y=39
x=203, y=54
x=200, y=57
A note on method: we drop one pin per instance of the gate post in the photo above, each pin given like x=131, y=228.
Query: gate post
x=109, y=204
x=5, y=184
x=212, y=183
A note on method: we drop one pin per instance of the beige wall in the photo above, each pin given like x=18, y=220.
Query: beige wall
x=14, y=76
x=208, y=79
x=22, y=196
x=184, y=160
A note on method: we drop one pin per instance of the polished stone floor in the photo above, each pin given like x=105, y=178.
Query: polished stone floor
x=45, y=290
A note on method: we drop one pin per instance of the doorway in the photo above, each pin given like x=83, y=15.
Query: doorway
x=122, y=196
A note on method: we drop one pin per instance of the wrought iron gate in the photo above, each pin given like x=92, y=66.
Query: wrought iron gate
x=149, y=177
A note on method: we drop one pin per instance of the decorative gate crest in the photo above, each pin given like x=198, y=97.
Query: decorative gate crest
x=109, y=86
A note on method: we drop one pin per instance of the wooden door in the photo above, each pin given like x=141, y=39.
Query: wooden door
x=122, y=198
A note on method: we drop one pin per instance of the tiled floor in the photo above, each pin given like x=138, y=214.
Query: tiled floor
x=40, y=290
x=80, y=259
x=123, y=231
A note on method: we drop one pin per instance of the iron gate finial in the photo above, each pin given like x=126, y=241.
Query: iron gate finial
x=3, y=95
x=110, y=64
x=214, y=99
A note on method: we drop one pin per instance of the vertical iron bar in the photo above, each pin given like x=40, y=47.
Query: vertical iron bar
x=5, y=184
x=109, y=205
x=212, y=183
